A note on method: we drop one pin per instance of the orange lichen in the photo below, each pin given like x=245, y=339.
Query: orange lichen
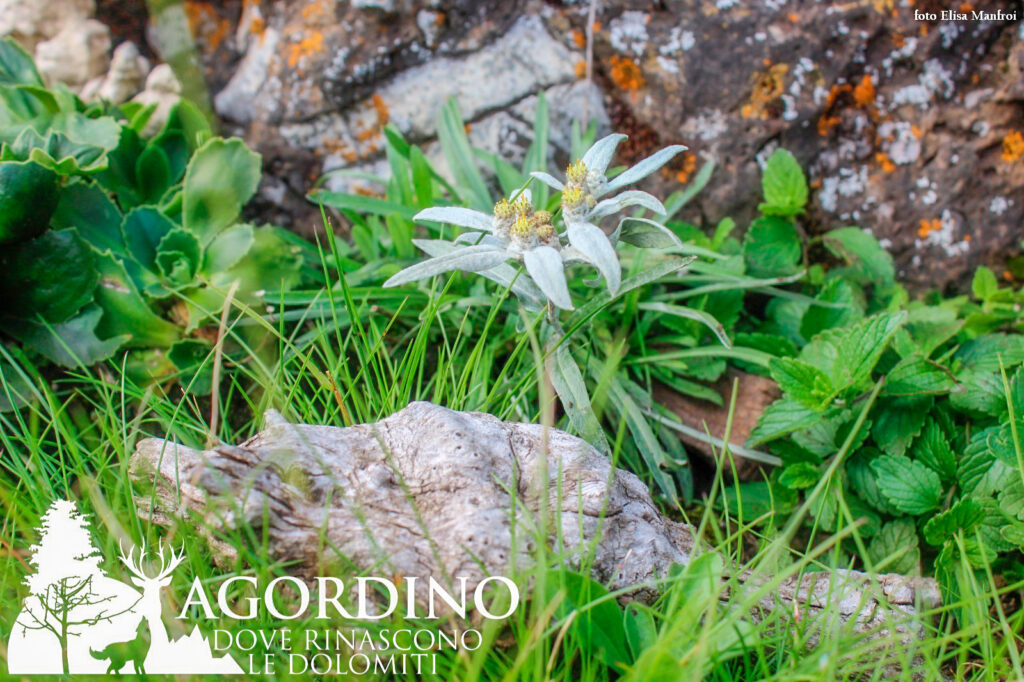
x=766, y=62
x=967, y=237
x=579, y=39
x=314, y=10
x=310, y=45
x=829, y=119
x=767, y=87
x=916, y=131
x=864, y=93
x=626, y=74
x=1007, y=275
x=381, y=107
x=597, y=26
x=581, y=69
x=923, y=29
x=928, y=226
x=885, y=162
x=258, y=26
x=966, y=7
x=898, y=40
x=689, y=165
x=793, y=17
x=206, y=23
x=1013, y=146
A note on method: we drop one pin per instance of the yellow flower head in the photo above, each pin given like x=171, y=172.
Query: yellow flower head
x=503, y=210
x=576, y=173
x=522, y=228
x=546, y=232
x=522, y=205
x=540, y=217
x=572, y=196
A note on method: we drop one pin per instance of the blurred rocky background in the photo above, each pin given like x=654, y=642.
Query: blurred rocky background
x=911, y=129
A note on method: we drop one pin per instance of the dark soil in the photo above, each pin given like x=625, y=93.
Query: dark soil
x=127, y=20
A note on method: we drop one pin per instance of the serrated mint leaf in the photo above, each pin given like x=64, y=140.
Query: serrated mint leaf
x=772, y=248
x=802, y=382
x=799, y=476
x=784, y=185
x=864, y=481
x=965, y=515
x=979, y=471
x=984, y=283
x=898, y=423
x=909, y=486
x=781, y=418
x=932, y=449
x=895, y=548
x=978, y=392
x=982, y=354
x=866, y=261
x=1011, y=499
x=916, y=375
x=848, y=356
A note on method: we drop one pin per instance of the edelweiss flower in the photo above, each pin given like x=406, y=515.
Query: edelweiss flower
x=585, y=183
x=514, y=231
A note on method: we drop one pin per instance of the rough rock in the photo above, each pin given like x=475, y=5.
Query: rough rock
x=433, y=492
x=911, y=129
x=162, y=89
x=125, y=78
x=31, y=21
x=76, y=55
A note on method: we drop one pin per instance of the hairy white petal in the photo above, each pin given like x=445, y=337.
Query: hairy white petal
x=546, y=268
x=594, y=244
x=456, y=215
x=469, y=258
x=600, y=155
x=477, y=238
x=548, y=180
x=644, y=168
x=618, y=202
x=503, y=273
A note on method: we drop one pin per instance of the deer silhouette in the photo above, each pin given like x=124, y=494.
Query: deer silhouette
x=151, y=586
x=119, y=653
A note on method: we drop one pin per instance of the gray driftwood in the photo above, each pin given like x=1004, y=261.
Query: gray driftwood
x=434, y=492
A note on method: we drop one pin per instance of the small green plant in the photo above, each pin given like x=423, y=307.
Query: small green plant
x=112, y=240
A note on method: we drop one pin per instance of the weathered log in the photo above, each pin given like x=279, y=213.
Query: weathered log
x=431, y=492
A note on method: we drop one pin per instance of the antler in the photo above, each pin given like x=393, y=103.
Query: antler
x=167, y=564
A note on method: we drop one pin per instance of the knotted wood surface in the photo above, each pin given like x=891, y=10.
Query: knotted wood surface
x=431, y=492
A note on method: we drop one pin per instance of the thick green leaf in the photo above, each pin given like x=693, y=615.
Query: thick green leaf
x=71, y=343
x=16, y=65
x=909, y=486
x=978, y=391
x=178, y=256
x=153, y=174
x=979, y=471
x=227, y=248
x=143, y=229
x=51, y=276
x=191, y=359
x=983, y=353
x=28, y=196
x=864, y=482
x=126, y=312
x=772, y=248
x=784, y=185
x=641, y=629
x=86, y=207
x=220, y=179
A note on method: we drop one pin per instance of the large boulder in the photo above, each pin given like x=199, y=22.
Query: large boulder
x=910, y=128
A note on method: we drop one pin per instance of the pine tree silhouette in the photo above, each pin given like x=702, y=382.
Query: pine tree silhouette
x=66, y=564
